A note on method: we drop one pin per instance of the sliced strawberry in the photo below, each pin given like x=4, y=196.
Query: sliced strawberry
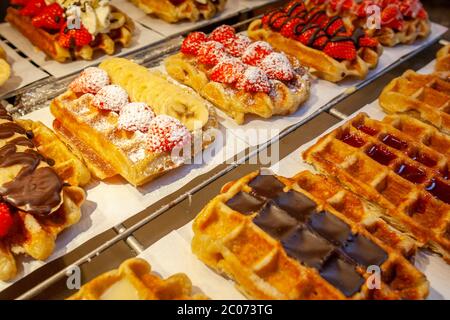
x=256, y=52
x=50, y=18
x=367, y=41
x=335, y=26
x=290, y=28
x=70, y=38
x=318, y=17
x=192, y=42
x=222, y=34
x=422, y=14
x=254, y=80
x=266, y=18
x=6, y=219
x=227, y=71
x=18, y=2
x=391, y=17
x=341, y=5
x=211, y=52
x=361, y=9
x=341, y=50
x=277, y=66
x=278, y=20
x=295, y=8
x=321, y=40
x=166, y=133
x=236, y=46
x=306, y=36
x=32, y=8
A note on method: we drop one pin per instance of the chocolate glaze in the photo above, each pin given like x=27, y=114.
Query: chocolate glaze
x=364, y=252
x=275, y=221
x=330, y=227
x=342, y=275
x=4, y=114
x=34, y=190
x=245, y=203
x=296, y=204
x=266, y=186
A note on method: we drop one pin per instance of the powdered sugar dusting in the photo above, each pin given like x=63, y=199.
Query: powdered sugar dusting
x=90, y=80
x=236, y=46
x=112, y=98
x=167, y=133
x=135, y=116
x=277, y=66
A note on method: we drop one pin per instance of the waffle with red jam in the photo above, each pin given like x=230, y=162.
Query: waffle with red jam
x=178, y=10
x=49, y=28
x=240, y=76
x=278, y=241
x=325, y=44
x=394, y=169
x=401, y=21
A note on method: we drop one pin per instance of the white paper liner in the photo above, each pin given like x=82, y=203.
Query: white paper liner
x=23, y=72
x=141, y=37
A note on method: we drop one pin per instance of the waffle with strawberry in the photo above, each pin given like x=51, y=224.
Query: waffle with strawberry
x=65, y=32
x=123, y=119
x=5, y=68
x=400, y=21
x=36, y=204
x=240, y=76
x=178, y=10
x=325, y=44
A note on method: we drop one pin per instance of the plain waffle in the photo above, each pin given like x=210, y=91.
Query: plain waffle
x=187, y=10
x=121, y=33
x=133, y=280
x=277, y=241
x=426, y=97
x=442, y=67
x=41, y=204
x=394, y=170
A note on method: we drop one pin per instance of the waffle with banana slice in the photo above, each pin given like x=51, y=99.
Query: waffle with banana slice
x=123, y=119
x=239, y=76
x=426, y=97
x=326, y=45
x=278, y=241
x=133, y=280
x=5, y=68
x=35, y=203
x=64, y=34
x=178, y=10
x=394, y=169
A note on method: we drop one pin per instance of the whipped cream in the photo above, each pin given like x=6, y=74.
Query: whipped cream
x=95, y=15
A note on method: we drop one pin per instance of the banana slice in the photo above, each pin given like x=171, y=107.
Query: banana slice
x=154, y=89
x=5, y=71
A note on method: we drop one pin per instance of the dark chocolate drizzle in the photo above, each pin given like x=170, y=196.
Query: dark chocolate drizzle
x=316, y=239
x=36, y=190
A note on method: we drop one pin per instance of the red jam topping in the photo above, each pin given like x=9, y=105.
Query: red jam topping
x=353, y=140
x=413, y=174
x=380, y=154
x=394, y=142
x=367, y=130
x=424, y=159
x=440, y=190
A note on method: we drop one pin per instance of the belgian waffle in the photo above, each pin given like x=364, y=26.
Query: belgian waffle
x=133, y=280
x=394, y=170
x=426, y=97
x=284, y=97
x=442, y=67
x=367, y=214
x=192, y=10
x=121, y=33
x=404, y=26
x=108, y=150
x=70, y=168
x=5, y=69
x=310, y=36
x=40, y=204
x=277, y=241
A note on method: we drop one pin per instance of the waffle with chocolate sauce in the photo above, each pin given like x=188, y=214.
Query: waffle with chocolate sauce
x=232, y=76
x=120, y=33
x=5, y=68
x=36, y=203
x=365, y=213
x=133, y=280
x=278, y=241
x=402, y=21
x=175, y=11
x=332, y=50
x=396, y=171
x=442, y=67
x=426, y=97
